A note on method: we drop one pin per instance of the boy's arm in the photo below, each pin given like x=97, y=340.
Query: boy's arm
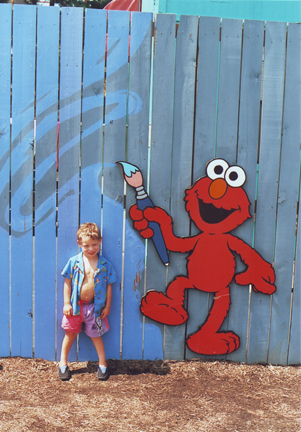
x=67, y=309
x=105, y=312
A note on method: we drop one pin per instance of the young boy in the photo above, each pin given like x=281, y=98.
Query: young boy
x=87, y=297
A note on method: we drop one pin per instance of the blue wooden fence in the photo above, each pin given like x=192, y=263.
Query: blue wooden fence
x=168, y=99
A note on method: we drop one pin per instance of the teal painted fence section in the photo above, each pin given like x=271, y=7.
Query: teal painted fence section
x=266, y=10
x=88, y=89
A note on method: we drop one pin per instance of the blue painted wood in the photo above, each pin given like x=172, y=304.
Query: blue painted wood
x=269, y=160
x=92, y=134
x=161, y=141
x=137, y=153
x=45, y=180
x=228, y=95
x=248, y=132
x=160, y=170
x=69, y=149
x=23, y=85
x=294, y=353
x=206, y=98
x=287, y=199
x=127, y=102
x=114, y=150
x=184, y=99
x=5, y=63
x=204, y=141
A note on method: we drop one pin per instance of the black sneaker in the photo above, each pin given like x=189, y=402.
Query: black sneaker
x=65, y=376
x=103, y=376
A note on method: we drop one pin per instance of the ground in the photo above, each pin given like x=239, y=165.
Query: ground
x=149, y=396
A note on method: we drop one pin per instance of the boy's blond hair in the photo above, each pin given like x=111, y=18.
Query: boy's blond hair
x=88, y=229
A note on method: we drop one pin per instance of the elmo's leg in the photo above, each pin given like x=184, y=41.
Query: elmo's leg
x=207, y=340
x=167, y=308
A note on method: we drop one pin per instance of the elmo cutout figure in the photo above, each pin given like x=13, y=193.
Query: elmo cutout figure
x=217, y=204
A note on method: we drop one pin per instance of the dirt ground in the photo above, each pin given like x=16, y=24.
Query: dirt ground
x=194, y=396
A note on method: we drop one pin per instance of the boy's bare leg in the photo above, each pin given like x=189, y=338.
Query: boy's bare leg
x=100, y=349
x=66, y=346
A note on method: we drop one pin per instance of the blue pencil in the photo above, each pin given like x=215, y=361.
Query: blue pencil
x=133, y=177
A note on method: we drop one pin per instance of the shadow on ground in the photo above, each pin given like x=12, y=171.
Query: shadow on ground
x=129, y=367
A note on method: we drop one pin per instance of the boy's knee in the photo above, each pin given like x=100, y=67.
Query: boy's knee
x=71, y=335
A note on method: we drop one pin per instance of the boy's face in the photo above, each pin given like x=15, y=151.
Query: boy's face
x=90, y=246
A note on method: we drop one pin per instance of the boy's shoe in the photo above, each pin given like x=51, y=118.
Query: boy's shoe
x=64, y=376
x=103, y=376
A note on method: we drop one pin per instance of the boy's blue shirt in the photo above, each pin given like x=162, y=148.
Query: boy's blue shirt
x=104, y=275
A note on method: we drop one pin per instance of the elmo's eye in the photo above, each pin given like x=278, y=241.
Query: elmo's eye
x=217, y=168
x=235, y=176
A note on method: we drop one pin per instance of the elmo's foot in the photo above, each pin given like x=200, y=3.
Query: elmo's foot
x=213, y=344
x=163, y=309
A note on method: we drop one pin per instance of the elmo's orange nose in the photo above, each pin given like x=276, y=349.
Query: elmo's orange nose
x=218, y=188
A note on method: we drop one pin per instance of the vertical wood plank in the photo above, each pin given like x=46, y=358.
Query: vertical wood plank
x=206, y=98
x=204, y=141
x=23, y=87
x=269, y=159
x=294, y=354
x=160, y=161
x=184, y=100
x=137, y=153
x=248, y=133
x=114, y=150
x=92, y=134
x=69, y=149
x=5, y=65
x=287, y=199
x=45, y=180
x=228, y=96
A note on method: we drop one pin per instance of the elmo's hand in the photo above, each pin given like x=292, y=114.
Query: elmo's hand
x=260, y=274
x=140, y=222
x=149, y=214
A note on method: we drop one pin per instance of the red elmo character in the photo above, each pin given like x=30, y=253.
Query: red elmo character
x=217, y=204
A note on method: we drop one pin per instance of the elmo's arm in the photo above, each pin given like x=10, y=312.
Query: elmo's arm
x=157, y=214
x=259, y=272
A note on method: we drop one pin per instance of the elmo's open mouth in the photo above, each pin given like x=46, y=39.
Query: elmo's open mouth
x=212, y=215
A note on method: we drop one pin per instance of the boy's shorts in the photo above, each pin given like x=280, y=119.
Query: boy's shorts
x=86, y=321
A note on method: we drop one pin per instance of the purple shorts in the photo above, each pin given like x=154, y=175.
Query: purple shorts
x=86, y=321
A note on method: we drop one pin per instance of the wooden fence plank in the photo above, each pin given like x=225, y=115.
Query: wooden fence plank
x=5, y=64
x=114, y=150
x=248, y=133
x=23, y=85
x=228, y=93
x=45, y=180
x=69, y=149
x=204, y=141
x=294, y=354
x=206, y=98
x=273, y=84
x=137, y=153
x=92, y=134
x=184, y=100
x=160, y=170
x=287, y=199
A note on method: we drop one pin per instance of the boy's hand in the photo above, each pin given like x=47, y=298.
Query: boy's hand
x=67, y=310
x=105, y=312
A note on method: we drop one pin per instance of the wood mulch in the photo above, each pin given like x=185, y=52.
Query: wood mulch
x=159, y=396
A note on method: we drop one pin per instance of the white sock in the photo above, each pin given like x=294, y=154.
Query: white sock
x=63, y=368
x=103, y=368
